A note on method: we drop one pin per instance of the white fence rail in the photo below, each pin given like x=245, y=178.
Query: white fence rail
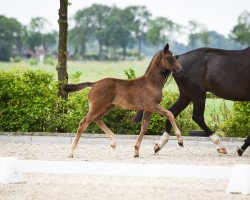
x=11, y=171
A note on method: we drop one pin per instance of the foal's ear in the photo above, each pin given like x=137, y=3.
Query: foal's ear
x=166, y=48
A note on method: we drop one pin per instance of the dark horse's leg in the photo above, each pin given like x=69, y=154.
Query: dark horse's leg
x=198, y=113
x=198, y=117
x=240, y=150
x=176, y=109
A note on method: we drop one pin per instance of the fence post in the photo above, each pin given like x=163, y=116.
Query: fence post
x=240, y=180
x=8, y=173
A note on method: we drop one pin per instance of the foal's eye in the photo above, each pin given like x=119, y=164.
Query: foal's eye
x=170, y=60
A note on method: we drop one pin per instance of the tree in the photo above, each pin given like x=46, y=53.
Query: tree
x=140, y=22
x=241, y=31
x=11, y=35
x=119, y=28
x=35, y=36
x=197, y=33
x=62, y=46
x=161, y=30
x=49, y=40
x=81, y=32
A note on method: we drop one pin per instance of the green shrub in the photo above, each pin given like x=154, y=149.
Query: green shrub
x=30, y=102
x=238, y=124
x=130, y=73
x=33, y=61
x=15, y=59
x=49, y=60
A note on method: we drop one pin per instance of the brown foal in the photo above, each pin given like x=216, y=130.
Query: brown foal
x=143, y=93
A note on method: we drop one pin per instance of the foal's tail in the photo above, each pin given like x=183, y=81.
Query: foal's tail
x=75, y=87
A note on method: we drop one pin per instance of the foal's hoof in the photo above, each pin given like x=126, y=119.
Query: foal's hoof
x=222, y=150
x=136, y=156
x=180, y=144
x=240, y=151
x=157, y=148
x=113, y=145
x=70, y=156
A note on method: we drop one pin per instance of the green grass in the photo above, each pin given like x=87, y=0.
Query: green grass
x=91, y=70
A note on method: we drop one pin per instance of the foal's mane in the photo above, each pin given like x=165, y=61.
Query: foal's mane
x=165, y=73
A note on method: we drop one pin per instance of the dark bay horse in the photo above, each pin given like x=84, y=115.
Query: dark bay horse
x=143, y=93
x=225, y=73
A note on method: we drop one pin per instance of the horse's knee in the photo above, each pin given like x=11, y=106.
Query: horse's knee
x=196, y=118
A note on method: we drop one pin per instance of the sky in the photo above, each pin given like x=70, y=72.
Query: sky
x=218, y=15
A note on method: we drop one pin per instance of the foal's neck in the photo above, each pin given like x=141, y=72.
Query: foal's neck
x=155, y=72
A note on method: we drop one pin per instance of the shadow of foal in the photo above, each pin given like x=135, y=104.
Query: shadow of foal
x=143, y=93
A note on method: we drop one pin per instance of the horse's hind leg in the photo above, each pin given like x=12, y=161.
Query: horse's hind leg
x=144, y=128
x=103, y=126
x=83, y=125
x=198, y=117
x=108, y=132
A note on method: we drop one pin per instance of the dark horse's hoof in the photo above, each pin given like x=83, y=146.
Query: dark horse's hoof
x=180, y=144
x=136, y=156
x=157, y=148
x=222, y=150
x=240, y=151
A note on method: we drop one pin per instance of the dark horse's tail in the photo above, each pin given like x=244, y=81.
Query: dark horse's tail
x=139, y=114
x=75, y=87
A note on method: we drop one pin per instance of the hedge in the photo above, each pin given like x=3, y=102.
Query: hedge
x=29, y=103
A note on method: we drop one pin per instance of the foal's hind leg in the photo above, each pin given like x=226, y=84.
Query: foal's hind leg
x=108, y=132
x=144, y=128
x=103, y=126
x=83, y=125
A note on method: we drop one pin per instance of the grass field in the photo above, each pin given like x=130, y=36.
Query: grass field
x=94, y=70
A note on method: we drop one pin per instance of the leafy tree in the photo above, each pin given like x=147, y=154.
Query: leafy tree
x=241, y=31
x=49, y=40
x=80, y=33
x=140, y=23
x=98, y=15
x=119, y=31
x=11, y=34
x=35, y=35
x=161, y=30
x=197, y=33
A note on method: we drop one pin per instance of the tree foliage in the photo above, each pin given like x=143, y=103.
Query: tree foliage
x=11, y=35
x=241, y=31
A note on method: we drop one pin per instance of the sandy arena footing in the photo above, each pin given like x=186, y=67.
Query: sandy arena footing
x=97, y=149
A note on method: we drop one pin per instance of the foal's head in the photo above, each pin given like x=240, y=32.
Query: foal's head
x=169, y=62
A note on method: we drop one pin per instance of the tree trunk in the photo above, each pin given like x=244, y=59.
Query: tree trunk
x=139, y=46
x=124, y=52
x=100, y=51
x=62, y=46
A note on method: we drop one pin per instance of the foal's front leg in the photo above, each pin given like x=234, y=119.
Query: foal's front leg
x=162, y=111
x=144, y=128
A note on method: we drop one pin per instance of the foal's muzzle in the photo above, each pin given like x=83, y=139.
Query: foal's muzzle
x=178, y=72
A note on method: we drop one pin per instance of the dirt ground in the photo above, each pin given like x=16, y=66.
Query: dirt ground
x=51, y=186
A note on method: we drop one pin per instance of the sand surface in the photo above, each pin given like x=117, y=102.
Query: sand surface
x=51, y=186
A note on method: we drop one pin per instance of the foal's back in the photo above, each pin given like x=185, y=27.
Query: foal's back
x=128, y=94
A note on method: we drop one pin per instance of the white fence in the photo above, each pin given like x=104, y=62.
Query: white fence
x=11, y=171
